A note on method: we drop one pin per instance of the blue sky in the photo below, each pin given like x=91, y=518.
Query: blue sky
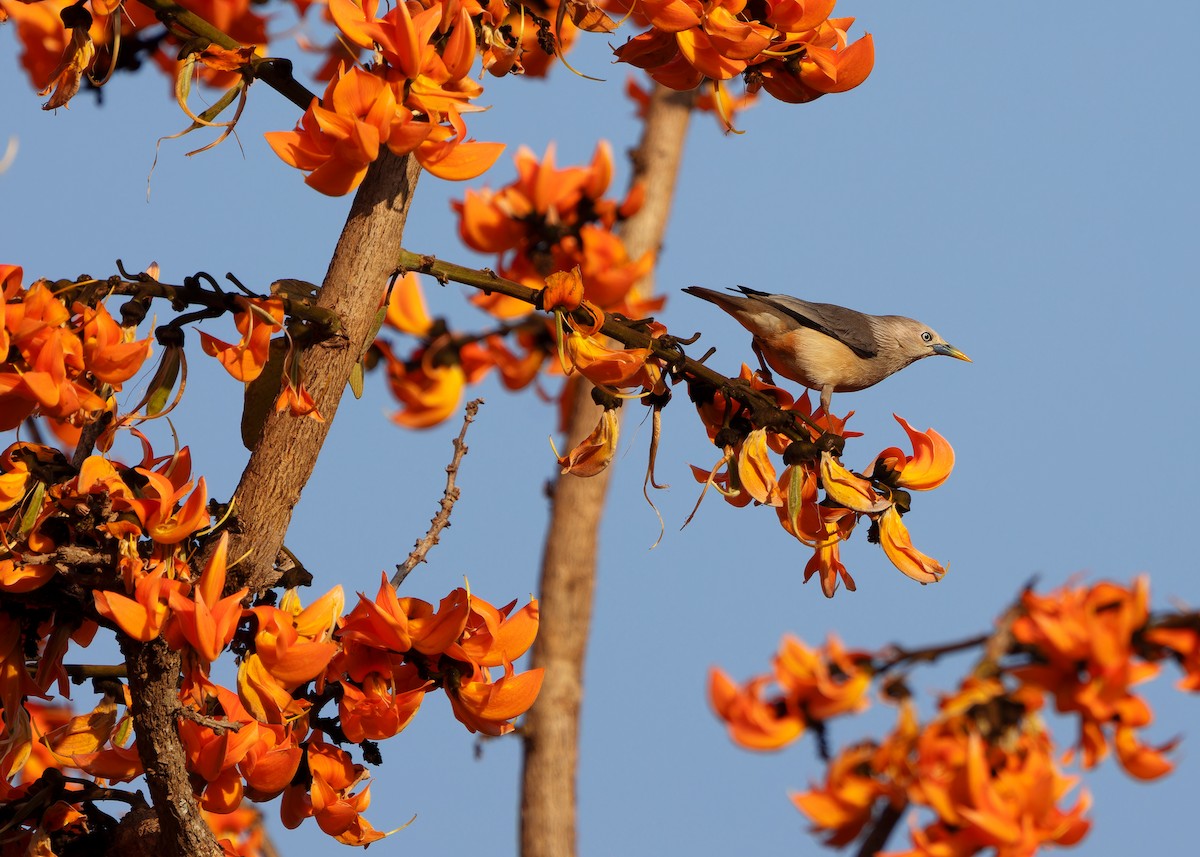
x=1021, y=177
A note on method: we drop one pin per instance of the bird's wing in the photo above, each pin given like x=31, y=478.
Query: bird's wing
x=850, y=327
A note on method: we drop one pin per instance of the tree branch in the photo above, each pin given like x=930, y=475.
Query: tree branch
x=764, y=409
x=551, y=728
x=353, y=289
x=442, y=519
x=154, y=688
x=275, y=72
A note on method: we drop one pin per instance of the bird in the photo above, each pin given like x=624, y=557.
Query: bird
x=827, y=347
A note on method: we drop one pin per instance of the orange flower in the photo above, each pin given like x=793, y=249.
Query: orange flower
x=263, y=695
x=206, y=620
x=109, y=350
x=604, y=367
x=256, y=321
x=332, y=801
x=564, y=290
x=927, y=468
x=429, y=393
x=893, y=537
x=143, y=616
x=291, y=656
x=338, y=138
x=381, y=623
x=487, y=706
x=826, y=561
x=753, y=723
x=827, y=682
x=1086, y=637
x=813, y=686
x=493, y=637
x=826, y=70
x=595, y=452
x=156, y=508
x=433, y=632
x=845, y=804
x=406, y=310
x=844, y=488
x=211, y=755
x=756, y=473
x=383, y=706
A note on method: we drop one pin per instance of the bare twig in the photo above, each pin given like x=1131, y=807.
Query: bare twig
x=79, y=673
x=895, y=656
x=881, y=829
x=217, y=725
x=442, y=519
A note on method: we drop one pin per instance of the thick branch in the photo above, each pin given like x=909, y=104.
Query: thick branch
x=154, y=688
x=551, y=729
x=353, y=290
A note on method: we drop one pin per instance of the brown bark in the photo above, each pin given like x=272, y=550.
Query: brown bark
x=287, y=449
x=280, y=465
x=154, y=688
x=551, y=728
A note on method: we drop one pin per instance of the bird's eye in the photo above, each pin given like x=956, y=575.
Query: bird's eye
x=927, y=337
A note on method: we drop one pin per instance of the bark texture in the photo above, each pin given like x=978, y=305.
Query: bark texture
x=280, y=465
x=551, y=728
x=287, y=449
x=153, y=671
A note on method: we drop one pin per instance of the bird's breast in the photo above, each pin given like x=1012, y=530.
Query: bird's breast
x=815, y=360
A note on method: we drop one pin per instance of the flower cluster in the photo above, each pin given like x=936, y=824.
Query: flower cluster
x=550, y=225
x=553, y=219
x=114, y=546
x=402, y=80
x=805, y=687
x=64, y=43
x=1088, y=646
x=792, y=49
x=60, y=362
x=745, y=474
x=985, y=766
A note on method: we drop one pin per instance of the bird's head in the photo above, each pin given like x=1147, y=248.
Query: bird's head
x=916, y=340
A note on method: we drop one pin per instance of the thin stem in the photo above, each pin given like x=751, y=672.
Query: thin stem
x=442, y=519
x=764, y=410
x=275, y=72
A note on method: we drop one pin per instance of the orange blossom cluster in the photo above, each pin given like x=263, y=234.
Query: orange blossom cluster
x=745, y=474
x=548, y=222
x=792, y=49
x=985, y=765
x=64, y=42
x=62, y=363
x=113, y=546
x=66, y=363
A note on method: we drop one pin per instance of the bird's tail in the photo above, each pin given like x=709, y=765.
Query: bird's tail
x=730, y=303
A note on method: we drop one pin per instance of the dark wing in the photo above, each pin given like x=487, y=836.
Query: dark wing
x=849, y=327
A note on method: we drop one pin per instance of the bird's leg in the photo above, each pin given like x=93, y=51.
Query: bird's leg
x=762, y=362
x=826, y=397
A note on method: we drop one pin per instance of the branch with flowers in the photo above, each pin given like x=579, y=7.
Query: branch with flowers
x=401, y=80
x=983, y=770
x=744, y=417
x=136, y=550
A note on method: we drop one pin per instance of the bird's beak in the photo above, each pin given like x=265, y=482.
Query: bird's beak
x=950, y=351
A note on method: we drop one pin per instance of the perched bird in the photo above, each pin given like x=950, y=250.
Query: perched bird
x=827, y=347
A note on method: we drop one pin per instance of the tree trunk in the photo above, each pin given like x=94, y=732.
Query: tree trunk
x=279, y=467
x=551, y=728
